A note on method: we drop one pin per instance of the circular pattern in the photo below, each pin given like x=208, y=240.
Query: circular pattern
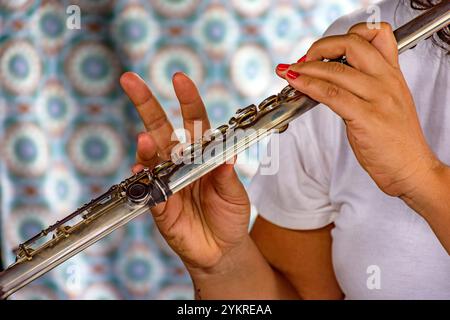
x=35, y=292
x=328, y=11
x=135, y=31
x=94, y=6
x=96, y=150
x=72, y=275
x=176, y=292
x=170, y=60
x=307, y=4
x=6, y=194
x=217, y=31
x=26, y=150
x=100, y=291
x=3, y=109
x=140, y=270
x=55, y=108
x=175, y=8
x=220, y=104
x=25, y=222
x=283, y=27
x=92, y=69
x=251, y=70
x=15, y=4
x=251, y=8
x=50, y=22
x=107, y=244
x=62, y=190
x=20, y=67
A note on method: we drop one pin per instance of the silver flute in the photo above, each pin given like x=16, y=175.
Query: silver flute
x=137, y=194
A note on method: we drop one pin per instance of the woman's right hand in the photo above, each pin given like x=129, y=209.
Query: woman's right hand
x=209, y=219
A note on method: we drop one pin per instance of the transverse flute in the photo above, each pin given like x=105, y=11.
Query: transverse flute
x=135, y=195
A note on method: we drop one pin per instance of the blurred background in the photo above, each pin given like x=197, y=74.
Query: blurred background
x=68, y=131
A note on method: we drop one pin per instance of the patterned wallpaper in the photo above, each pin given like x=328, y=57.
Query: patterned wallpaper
x=68, y=132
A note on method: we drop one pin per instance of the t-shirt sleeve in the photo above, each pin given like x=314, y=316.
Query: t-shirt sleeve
x=296, y=196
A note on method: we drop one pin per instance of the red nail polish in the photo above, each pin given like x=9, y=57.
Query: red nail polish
x=292, y=74
x=283, y=67
x=302, y=59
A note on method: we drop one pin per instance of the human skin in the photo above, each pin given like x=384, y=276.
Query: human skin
x=381, y=119
x=206, y=223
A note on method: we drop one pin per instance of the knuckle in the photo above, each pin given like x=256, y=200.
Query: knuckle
x=387, y=98
x=332, y=91
x=335, y=67
x=315, y=44
x=158, y=122
x=386, y=26
x=354, y=37
x=358, y=25
x=307, y=82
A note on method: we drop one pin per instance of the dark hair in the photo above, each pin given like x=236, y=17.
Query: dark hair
x=444, y=34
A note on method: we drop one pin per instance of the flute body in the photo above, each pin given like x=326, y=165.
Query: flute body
x=135, y=195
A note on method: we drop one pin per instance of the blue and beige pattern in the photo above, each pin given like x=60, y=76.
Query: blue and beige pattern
x=68, y=132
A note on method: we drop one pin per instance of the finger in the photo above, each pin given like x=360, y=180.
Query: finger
x=191, y=104
x=137, y=168
x=146, y=153
x=346, y=77
x=359, y=52
x=345, y=104
x=150, y=111
x=227, y=184
x=382, y=38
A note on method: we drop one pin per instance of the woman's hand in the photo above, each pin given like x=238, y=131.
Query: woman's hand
x=372, y=97
x=207, y=220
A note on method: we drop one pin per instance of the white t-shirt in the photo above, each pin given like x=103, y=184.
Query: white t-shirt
x=381, y=248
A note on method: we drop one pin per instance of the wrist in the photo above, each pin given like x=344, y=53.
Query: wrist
x=226, y=274
x=429, y=189
x=228, y=264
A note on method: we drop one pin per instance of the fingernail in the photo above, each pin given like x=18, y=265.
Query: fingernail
x=283, y=67
x=292, y=74
x=302, y=59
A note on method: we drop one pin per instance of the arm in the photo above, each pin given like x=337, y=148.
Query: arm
x=206, y=223
x=302, y=257
x=429, y=197
x=245, y=274
x=383, y=129
x=275, y=263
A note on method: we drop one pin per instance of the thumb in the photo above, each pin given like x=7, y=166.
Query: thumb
x=227, y=184
x=381, y=37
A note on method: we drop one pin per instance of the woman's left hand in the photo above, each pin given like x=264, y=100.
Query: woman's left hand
x=372, y=97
